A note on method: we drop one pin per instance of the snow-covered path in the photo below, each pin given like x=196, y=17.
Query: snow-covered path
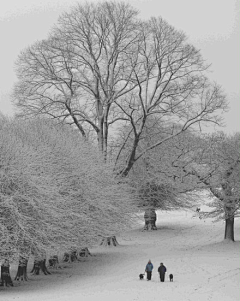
x=204, y=267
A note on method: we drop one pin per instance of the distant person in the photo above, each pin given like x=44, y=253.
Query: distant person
x=162, y=270
x=148, y=270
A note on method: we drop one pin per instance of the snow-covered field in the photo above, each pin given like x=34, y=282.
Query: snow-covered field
x=204, y=267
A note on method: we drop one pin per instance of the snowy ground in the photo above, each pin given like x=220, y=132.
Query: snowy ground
x=204, y=267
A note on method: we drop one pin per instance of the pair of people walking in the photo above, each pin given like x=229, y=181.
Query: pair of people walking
x=161, y=270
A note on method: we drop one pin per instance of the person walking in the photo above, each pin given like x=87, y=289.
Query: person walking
x=149, y=268
x=162, y=270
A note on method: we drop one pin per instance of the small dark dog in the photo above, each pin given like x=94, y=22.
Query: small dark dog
x=141, y=276
x=171, y=277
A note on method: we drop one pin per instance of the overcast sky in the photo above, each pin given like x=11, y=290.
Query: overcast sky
x=211, y=25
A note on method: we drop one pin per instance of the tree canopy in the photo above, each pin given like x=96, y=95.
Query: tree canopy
x=102, y=67
x=55, y=190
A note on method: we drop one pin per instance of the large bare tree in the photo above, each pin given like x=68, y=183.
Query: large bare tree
x=171, y=88
x=78, y=73
x=102, y=68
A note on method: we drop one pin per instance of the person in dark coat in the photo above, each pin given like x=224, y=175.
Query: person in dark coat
x=162, y=270
x=148, y=269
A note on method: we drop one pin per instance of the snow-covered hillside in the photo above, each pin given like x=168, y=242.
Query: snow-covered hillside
x=204, y=267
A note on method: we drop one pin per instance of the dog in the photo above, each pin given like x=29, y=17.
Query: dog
x=141, y=276
x=171, y=277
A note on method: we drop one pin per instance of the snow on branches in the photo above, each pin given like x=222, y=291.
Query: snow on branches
x=55, y=190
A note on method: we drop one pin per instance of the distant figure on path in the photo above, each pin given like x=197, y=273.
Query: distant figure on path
x=149, y=268
x=162, y=270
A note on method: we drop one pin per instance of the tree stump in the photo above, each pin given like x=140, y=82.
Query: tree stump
x=74, y=255
x=5, y=274
x=53, y=261
x=22, y=269
x=229, y=229
x=40, y=265
x=70, y=256
x=150, y=217
x=109, y=241
x=84, y=252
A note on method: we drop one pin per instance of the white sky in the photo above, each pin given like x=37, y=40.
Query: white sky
x=211, y=25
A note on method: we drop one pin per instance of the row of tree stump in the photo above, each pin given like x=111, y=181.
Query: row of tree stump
x=39, y=265
x=74, y=255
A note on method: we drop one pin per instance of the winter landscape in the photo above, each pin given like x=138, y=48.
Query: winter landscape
x=119, y=151
x=204, y=267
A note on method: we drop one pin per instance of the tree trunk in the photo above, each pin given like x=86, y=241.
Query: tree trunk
x=53, y=261
x=131, y=158
x=100, y=135
x=105, y=136
x=22, y=270
x=150, y=217
x=75, y=255
x=99, y=110
x=5, y=275
x=84, y=252
x=40, y=265
x=70, y=256
x=229, y=229
x=109, y=241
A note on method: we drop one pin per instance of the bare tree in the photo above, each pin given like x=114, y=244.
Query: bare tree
x=78, y=73
x=102, y=67
x=171, y=87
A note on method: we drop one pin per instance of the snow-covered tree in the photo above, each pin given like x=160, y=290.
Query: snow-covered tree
x=158, y=175
x=55, y=191
x=217, y=167
x=194, y=163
